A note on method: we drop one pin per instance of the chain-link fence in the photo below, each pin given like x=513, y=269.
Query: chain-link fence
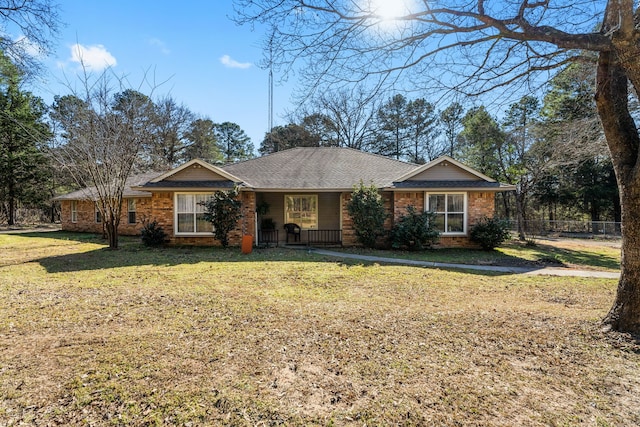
x=603, y=229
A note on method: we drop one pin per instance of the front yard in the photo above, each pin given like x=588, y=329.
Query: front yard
x=202, y=336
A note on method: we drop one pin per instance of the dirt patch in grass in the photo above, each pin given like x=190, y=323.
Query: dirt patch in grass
x=210, y=337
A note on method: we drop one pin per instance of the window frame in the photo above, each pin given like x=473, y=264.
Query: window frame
x=465, y=210
x=176, y=214
x=98, y=215
x=131, y=201
x=74, y=211
x=288, y=219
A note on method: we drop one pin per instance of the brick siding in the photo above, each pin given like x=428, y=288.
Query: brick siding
x=163, y=213
x=86, y=217
x=159, y=207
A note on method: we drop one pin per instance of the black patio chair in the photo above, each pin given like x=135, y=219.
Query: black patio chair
x=293, y=229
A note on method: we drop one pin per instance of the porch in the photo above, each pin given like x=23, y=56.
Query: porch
x=297, y=218
x=268, y=238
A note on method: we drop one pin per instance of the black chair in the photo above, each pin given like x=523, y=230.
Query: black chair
x=293, y=229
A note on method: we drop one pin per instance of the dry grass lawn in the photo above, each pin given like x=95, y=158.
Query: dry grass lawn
x=188, y=336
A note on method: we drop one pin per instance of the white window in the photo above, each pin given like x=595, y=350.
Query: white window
x=450, y=210
x=131, y=211
x=98, y=214
x=190, y=214
x=301, y=210
x=74, y=211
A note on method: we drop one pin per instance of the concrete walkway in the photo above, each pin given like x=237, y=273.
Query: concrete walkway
x=529, y=271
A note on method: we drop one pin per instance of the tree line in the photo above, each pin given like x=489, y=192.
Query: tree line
x=87, y=137
x=551, y=147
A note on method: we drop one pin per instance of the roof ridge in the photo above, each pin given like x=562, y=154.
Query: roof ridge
x=331, y=147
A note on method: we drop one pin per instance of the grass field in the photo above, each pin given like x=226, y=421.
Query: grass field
x=202, y=336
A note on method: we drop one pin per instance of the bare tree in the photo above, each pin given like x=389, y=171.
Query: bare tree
x=476, y=46
x=27, y=31
x=349, y=117
x=172, y=123
x=103, y=134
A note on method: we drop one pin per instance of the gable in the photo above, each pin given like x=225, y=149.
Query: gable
x=196, y=172
x=444, y=169
x=444, y=172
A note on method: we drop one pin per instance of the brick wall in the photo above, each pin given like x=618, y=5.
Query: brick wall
x=349, y=237
x=479, y=204
x=402, y=200
x=163, y=211
x=159, y=207
x=348, y=232
x=86, y=217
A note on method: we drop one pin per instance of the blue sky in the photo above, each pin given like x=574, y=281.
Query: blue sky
x=210, y=62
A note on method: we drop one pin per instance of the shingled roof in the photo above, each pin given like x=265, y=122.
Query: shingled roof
x=308, y=169
x=90, y=193
x=318, y=168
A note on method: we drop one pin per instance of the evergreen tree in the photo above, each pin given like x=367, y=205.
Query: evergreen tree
x=577, y=155
x=366, y=209
x=392, y=135
x=202, y=142
x=223, y=210
x=519, y=167
x=422, y=131
x=285, y=137
x=24, y=168
x=481, y=141
x=320, y=126
x=234, y=144
x=451, y=120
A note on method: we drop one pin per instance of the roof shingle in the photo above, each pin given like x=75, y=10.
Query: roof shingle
x=319, y=168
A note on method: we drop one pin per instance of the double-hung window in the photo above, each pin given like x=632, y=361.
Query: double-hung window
x=131, y=211
x=74, y=211
x=190, y=214
x=450, y=210
x=302, y=210
x=98, y=213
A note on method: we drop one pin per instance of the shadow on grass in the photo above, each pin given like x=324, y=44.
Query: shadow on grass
x=132, y=253
x=171, y=256
x=577, y=257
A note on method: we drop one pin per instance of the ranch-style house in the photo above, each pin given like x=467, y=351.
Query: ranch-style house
x=304, y=189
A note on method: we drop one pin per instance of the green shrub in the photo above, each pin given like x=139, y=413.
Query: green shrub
x=223, y=210
x=366, y=209
x=152, y=234
x=415, y=230
x=490, y=233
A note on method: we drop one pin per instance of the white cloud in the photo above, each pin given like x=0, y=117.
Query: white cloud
x=160, y=45
x=29, y=47
x=93, y=58
x=229, y=62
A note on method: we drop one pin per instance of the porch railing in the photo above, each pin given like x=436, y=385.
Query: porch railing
x=324, y=237
x=268, y=237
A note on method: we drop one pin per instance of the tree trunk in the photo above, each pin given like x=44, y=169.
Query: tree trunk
x=624, y=142
x=520, y=209
x=11, y=214
x=112, y=233
x=625, y=312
